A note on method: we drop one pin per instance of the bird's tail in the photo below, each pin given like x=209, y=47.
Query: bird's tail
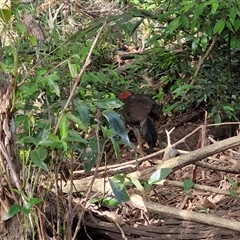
x=149, y=132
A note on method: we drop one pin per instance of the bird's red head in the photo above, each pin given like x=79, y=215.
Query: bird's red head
x=124, y=95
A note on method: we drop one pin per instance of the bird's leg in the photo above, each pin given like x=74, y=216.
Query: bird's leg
x=139, y=141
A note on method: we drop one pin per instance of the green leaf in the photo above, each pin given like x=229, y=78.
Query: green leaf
x=232, y=15
x=204, y=42
x=76, y=120
x=138, y=185
x=185, y=21
x=26, y=211
x=14, y=209
x=215, y=5
x=30, y=140
x=195, y=43
x=117, y=125
x=110, y=201
x=51, y=81
x=187, y=5
x=119, y=190
x=33, y=40
x=22, y=28
x=188, y=184
x=38, y=156
x=73, y=69
x=91, y=153
x=74, y=136
x=63, y=128
x=108, y=103
x=32, y=202
x=51, y=143
x=229, y=26
x=236, y=25
x=219, y=26
x=228, y=107
x=174, y=25
x=115, y=146
x=233, y=193
x=159, y=175
x=5, y=15
x=233, y=183
x=218, y=118
x=198, y=10
x=83, y=111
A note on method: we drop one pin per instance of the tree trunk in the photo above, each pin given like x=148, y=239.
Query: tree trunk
x=9, y=161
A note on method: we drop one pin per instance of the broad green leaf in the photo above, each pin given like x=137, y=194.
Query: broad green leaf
x=185, y=21
x=119, y=190
x=63, y=127
x=174, y=25
x=22, y=28
x=187, y=5
x=30, y=140
x=195, y=43
x=110, y=201
x=32, y=202
x=108, y=103
x=188, y=184
x=74, y=136
x=228, y=107
x=14, y=209
x=116, y=124
x=33, y=40
x=50, y=80
x=159, y=175
x=232, y=15
x=233, y=183
x=54, y=137
x=215, y=5
x=26, y=211
x=65, y=146
x=73, y=69
x=77, y=120
x=236, y=25
x=83, y=111
x=5, y=15
x=138, y=185
x=229, y=26
x=38, y=156
x=219, y=26
x=204, y=42
x=233, y=192
x=199, y=9
x=51, y=143
x=180, y=91
x=218, y=118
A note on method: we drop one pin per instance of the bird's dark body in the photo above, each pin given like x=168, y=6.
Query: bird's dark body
x=141, y=109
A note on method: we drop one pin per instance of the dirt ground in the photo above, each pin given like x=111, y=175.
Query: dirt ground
x=220, y=172
x=218, y=205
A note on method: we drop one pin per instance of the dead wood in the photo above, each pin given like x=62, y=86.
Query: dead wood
x=176, y=163
x=139, y=202
x=169, y=229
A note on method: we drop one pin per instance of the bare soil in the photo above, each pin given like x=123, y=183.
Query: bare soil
x=146, y=225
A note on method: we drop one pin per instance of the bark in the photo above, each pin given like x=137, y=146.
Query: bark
x=9, y=160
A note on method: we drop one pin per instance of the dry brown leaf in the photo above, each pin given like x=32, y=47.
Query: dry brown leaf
x=114, y=217
x=4, y=209
x=208, y=204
